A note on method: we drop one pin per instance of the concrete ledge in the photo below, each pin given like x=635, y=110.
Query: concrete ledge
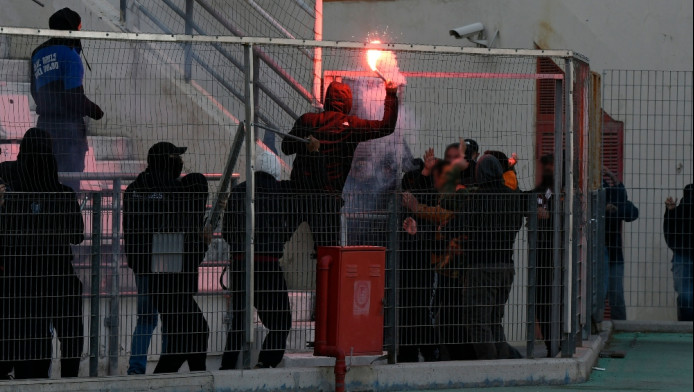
x=553, y=371
x=653, y=326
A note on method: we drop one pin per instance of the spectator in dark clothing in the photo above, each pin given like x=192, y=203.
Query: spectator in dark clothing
x=453, y=153
x=544, y=265
x=507, y=164
x=41, y=219
x=618, y=210
x=417, y=280
x=679, y=235
x=472, y=150
x=163, y=220
x=272, y=230
x=58, y=90
x=483, y=229
x=321, y=167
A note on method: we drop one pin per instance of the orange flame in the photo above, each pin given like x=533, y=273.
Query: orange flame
x=373, y=55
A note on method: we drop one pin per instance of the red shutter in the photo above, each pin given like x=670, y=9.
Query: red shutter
x=545, y=107
x=544, y=117
x=613, y=144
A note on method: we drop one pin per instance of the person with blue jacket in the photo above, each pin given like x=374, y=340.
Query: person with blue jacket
x=57, y=87
x=618, y=210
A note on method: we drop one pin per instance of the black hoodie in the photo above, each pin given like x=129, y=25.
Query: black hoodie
x=678, y=227
x=40, y=218
x=57, y=73
x=487, y=218
x=272, y=224
x=339, y=135
x=160, y=201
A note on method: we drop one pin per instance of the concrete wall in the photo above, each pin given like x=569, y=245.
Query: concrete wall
x=640, y=34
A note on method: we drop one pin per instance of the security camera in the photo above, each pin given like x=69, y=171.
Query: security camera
x=467, y=31
x=475, y=34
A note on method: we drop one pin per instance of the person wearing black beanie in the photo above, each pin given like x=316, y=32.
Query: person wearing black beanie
x=58, y=90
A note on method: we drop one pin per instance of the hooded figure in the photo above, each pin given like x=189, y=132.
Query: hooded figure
x=163, y=220
x=679, y=235
x=323, y=173
x=271, y=297
x=57, y=88
x=485, y=225
x=509, y=173
x=544, y=250
x=618, y=210
x=41, y=219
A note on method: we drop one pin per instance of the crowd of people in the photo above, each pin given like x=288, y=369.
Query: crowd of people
x=460, y=217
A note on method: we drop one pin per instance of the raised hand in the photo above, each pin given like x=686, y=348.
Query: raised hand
x=461, y=162
x=670, y=203
x=429, y=162
x=409, y=201
x=410, y=226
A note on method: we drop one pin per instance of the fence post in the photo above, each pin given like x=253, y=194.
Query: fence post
x=557, y=262
x=188, y=50
x=250, y=198
x=114, y=309
x=570, y=259
x=532, y=273
x=123, y=10
x=392, y=278
x=95, y=287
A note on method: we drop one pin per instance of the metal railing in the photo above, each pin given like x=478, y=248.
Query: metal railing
x=190, y=56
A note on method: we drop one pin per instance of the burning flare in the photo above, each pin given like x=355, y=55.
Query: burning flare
x=373, y=55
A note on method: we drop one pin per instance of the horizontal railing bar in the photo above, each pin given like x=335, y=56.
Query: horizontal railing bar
x=122, y=176
x=461, y=75
x=228, y=39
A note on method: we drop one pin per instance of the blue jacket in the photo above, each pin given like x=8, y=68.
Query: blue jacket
x=626, y=212
x=56, y=83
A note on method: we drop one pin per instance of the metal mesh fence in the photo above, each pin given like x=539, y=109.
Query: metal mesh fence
x=486, y=272
x=648, y=149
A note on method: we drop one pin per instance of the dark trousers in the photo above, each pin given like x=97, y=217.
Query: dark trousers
x=474, y=312
x=37, y=303
x=544, y=283
x=323, y=214
x=69, y=144
x=272, y=303
x=186, y=329
x=415, y=318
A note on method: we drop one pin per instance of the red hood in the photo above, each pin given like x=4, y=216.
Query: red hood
x=338, y=98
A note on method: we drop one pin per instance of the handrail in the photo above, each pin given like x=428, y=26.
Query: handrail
x=207, y=67
x=97, y=176
x=276, y=24
x=232, y=60
x=293, y=83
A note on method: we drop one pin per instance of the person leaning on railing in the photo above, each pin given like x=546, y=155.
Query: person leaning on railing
x=41, y=219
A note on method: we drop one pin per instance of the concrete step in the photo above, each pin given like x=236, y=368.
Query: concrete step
x=111, y=148
x=14, y=70
x=19, y=88
x=15, y=116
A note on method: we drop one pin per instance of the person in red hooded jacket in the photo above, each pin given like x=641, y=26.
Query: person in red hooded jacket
x=321, y=166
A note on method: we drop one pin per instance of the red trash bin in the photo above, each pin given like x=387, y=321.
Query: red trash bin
x=350, y=286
